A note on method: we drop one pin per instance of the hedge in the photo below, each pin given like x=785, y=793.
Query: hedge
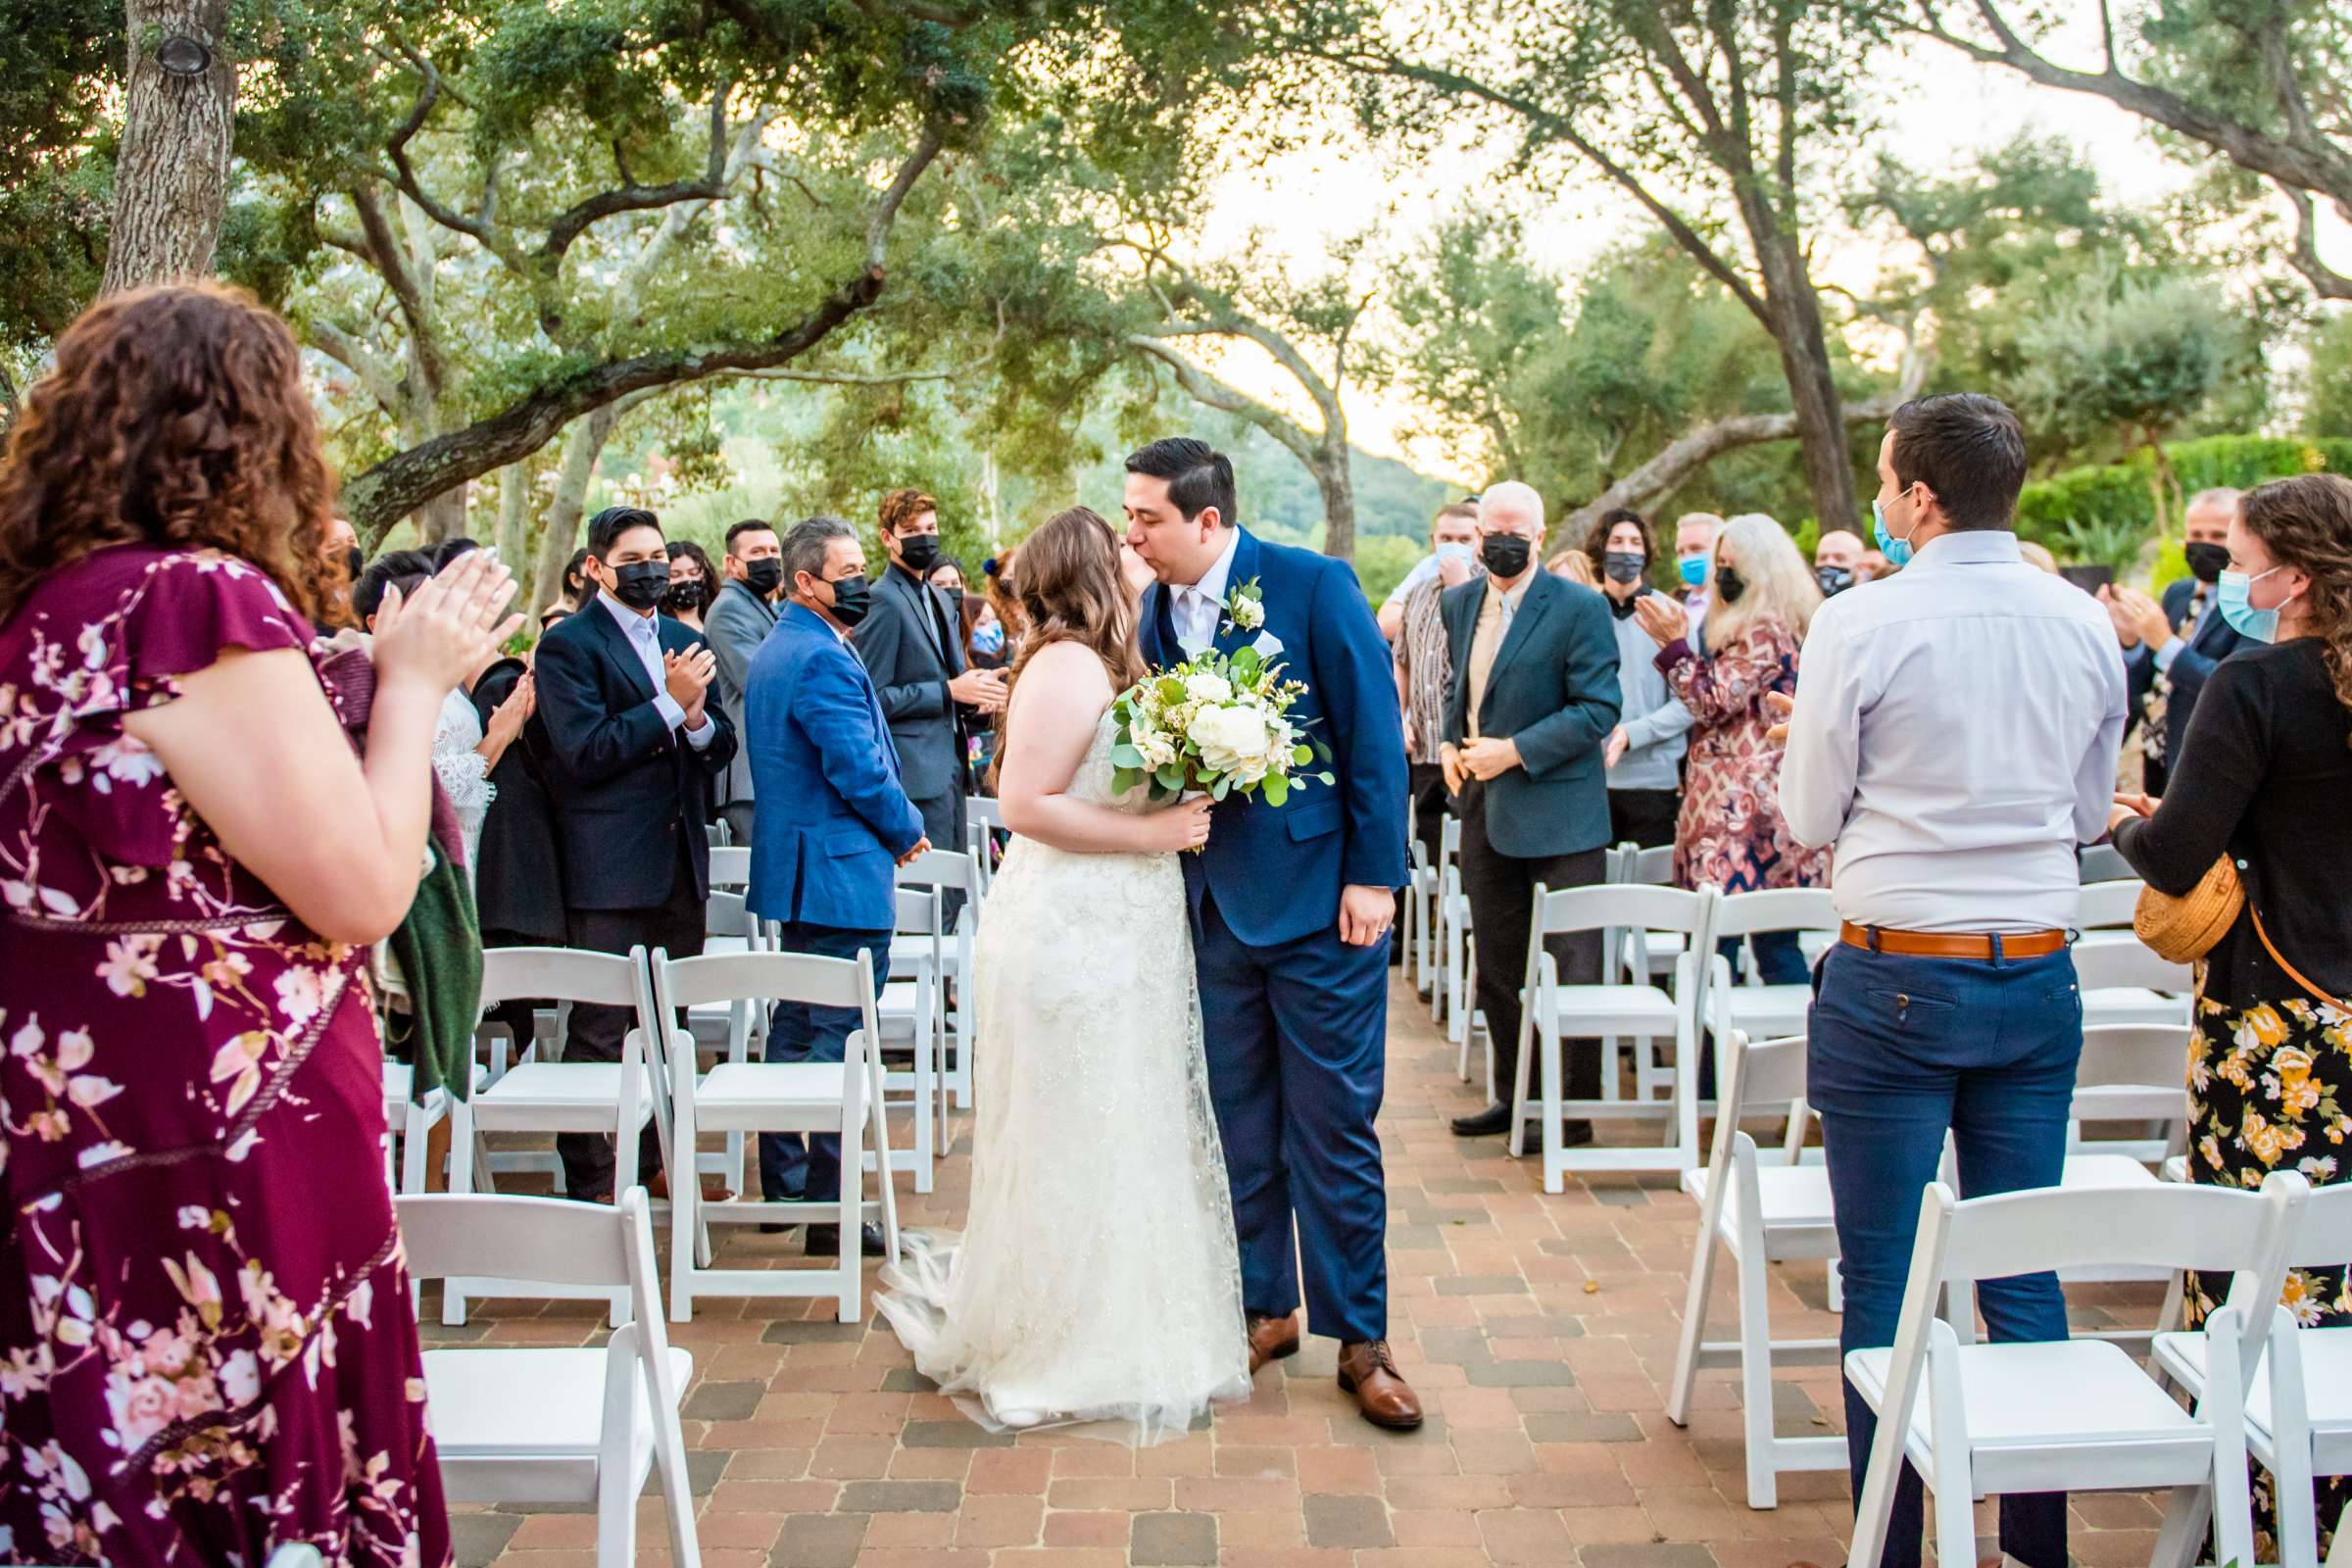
x=2119, y=494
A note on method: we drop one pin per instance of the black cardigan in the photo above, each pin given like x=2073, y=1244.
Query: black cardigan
x=2265, y=773
x=518, y=888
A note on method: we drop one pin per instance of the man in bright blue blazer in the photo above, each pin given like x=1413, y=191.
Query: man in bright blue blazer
x=1291, y=908
x=831, y=821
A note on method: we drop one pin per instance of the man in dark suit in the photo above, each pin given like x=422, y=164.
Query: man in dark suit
x=913, y=645
x=834, y=822
x=1535, y=699
x=632, y=743
x=739, y=621
x=1291, y=908
x=2169, y=650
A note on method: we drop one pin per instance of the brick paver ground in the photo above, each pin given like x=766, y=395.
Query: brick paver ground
x=1540, y=1330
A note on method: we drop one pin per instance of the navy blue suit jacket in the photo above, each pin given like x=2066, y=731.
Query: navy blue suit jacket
x=1277, y=872
x=829, y=816
x=627, y=791
x=2214, y=640
x=1554, y=690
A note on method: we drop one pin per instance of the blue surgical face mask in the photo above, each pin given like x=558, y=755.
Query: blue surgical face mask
x=1456, y=550
x=1693, y=569
x=2256, y=626
x=1896, y=551
x=988, y=638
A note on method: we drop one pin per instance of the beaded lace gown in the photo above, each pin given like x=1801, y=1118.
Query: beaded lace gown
x=1098, y=1280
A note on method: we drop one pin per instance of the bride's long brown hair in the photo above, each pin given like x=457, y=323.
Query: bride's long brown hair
x=1067, y=581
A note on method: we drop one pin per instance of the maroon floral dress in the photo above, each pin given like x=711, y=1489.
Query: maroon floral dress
x=205, y=1345
x=1731, y=832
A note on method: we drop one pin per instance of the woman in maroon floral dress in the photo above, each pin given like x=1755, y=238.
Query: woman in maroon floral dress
x=205, y=1345
x=1731, y=832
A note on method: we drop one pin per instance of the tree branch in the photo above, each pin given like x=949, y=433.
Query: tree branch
x=632, y=197
x=404, y=175
x=2326, y=281
x=384, y=252
x=1204, y=388
x=356, y=357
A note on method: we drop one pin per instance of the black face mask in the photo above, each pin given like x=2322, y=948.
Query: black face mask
x=2208, y=562
x=683, y=598
x=641, y=584
x=762, y=576
x=919, y=551
x=1833, y=580
x=1505, y=555
x=954, y=599
x=851, y=598
x=355, y=560
x=1622, y=566
x=1729, y=585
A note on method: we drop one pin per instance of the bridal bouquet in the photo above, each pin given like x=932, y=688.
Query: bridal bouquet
x=1216, y=723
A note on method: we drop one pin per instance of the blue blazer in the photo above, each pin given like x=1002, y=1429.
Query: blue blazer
x=1277, y=870
x=1552, y=689
x=829, y=818
x=627, y=791
x=2214, y=640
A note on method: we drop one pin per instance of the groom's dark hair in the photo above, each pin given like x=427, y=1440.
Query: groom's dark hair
x=1199, y=475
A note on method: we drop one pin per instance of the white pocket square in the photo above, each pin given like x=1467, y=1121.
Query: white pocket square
x=1268, y=644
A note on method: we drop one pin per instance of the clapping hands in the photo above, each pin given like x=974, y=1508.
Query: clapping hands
x=689, y=675
x=1663, y=618
x=449, y=628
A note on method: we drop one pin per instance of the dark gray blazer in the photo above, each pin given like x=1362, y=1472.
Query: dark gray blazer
x=739, y=621
x=900, y=642
x=1554, y=690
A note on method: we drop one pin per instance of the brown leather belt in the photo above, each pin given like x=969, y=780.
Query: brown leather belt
x=1952, y=943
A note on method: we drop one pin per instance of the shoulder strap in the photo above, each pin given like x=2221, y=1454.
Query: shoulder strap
x=2280, y=958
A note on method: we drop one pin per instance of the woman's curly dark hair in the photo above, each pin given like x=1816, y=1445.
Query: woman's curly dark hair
x=175, y=417
x=2306, y=522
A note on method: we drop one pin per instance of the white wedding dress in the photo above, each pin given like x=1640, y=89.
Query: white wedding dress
x=1098, y=1280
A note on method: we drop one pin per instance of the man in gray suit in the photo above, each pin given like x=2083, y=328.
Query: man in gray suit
x=913, y=645
x=738, y=622
x=1535, y=698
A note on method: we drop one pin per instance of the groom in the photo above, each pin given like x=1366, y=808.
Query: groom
x=1290, y=908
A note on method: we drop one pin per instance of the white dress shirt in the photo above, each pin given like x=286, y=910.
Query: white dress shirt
x=1197, y=609
x=1955, y=735
x=645, y=638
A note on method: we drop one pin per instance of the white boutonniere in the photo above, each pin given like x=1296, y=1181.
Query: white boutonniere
x=1245, y=607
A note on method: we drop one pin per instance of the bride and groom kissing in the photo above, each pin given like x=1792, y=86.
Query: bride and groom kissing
x=1181, y=1054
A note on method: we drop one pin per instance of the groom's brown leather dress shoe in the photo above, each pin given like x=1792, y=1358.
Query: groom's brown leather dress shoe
x=1271, y=1338
x=1369, y=1372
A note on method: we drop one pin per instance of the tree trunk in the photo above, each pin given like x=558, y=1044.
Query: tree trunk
x=1338, y=484
x=514, y=518
x=2165, y=481
x=172, y=173
x=560, y=537
x=1794, y=308
x=442, y=517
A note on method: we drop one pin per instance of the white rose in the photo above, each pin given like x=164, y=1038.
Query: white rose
x=1232, y=740
x=1248, y=613
x=1156, y=750
x=1207, y=687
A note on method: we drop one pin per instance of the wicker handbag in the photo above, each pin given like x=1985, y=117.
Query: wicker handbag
x=2184, y=929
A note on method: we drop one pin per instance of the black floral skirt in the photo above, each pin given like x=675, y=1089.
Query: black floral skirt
x=2269, y=1088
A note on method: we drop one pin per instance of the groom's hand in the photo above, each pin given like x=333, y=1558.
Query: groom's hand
x=1365, y=914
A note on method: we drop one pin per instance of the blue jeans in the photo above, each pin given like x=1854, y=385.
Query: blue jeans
x=1901, y=1050
x=794, y=1167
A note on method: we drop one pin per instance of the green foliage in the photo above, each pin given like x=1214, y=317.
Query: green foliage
x=2124, y=353
x=2328, y=379
x=2117, y=496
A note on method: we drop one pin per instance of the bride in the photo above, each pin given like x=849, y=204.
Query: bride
x=1098, y=1280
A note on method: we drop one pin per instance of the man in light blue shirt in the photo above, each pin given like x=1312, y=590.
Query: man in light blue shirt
x=1955, y=736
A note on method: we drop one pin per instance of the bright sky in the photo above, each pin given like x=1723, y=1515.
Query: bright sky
x=1940, y=110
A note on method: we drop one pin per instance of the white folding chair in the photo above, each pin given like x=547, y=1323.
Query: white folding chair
x=731, y=865
x=984, y=819
x=1758, y=1011
x=2124, y=981
x=737, y=1029
x=2103, y=862
x=1761, y=1214
x=1552, y=1012
x=843, y=1098
x=410, y=1122
x=565, y=1426
x=1644, y=956
x=1449, y=1000
x=1420, y=919
x=2299, y=1409
x=2108, y=906
x=2128, y=1073
x=911, y=1016
x=945, y=872
x=2069, y=1415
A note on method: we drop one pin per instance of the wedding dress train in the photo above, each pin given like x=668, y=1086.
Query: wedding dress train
x=1097, y=1278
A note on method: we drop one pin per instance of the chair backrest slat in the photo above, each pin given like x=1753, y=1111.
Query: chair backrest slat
x=1769, y=1072
x=1739, y=914
x=1652, y=867
x=545, y=1241
x=2169, y=1225
x=731, y=867
x=759, y=977
x=2135, y=1056
x=2325, y=1237
x=936, y=869
x=2108, y=906
x=1604, y=905
x=2120, y=959
x=559, y=974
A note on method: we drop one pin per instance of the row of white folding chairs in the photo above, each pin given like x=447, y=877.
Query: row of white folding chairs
x=565, y=1426
x=1763, y=1213
x=657, y=1083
